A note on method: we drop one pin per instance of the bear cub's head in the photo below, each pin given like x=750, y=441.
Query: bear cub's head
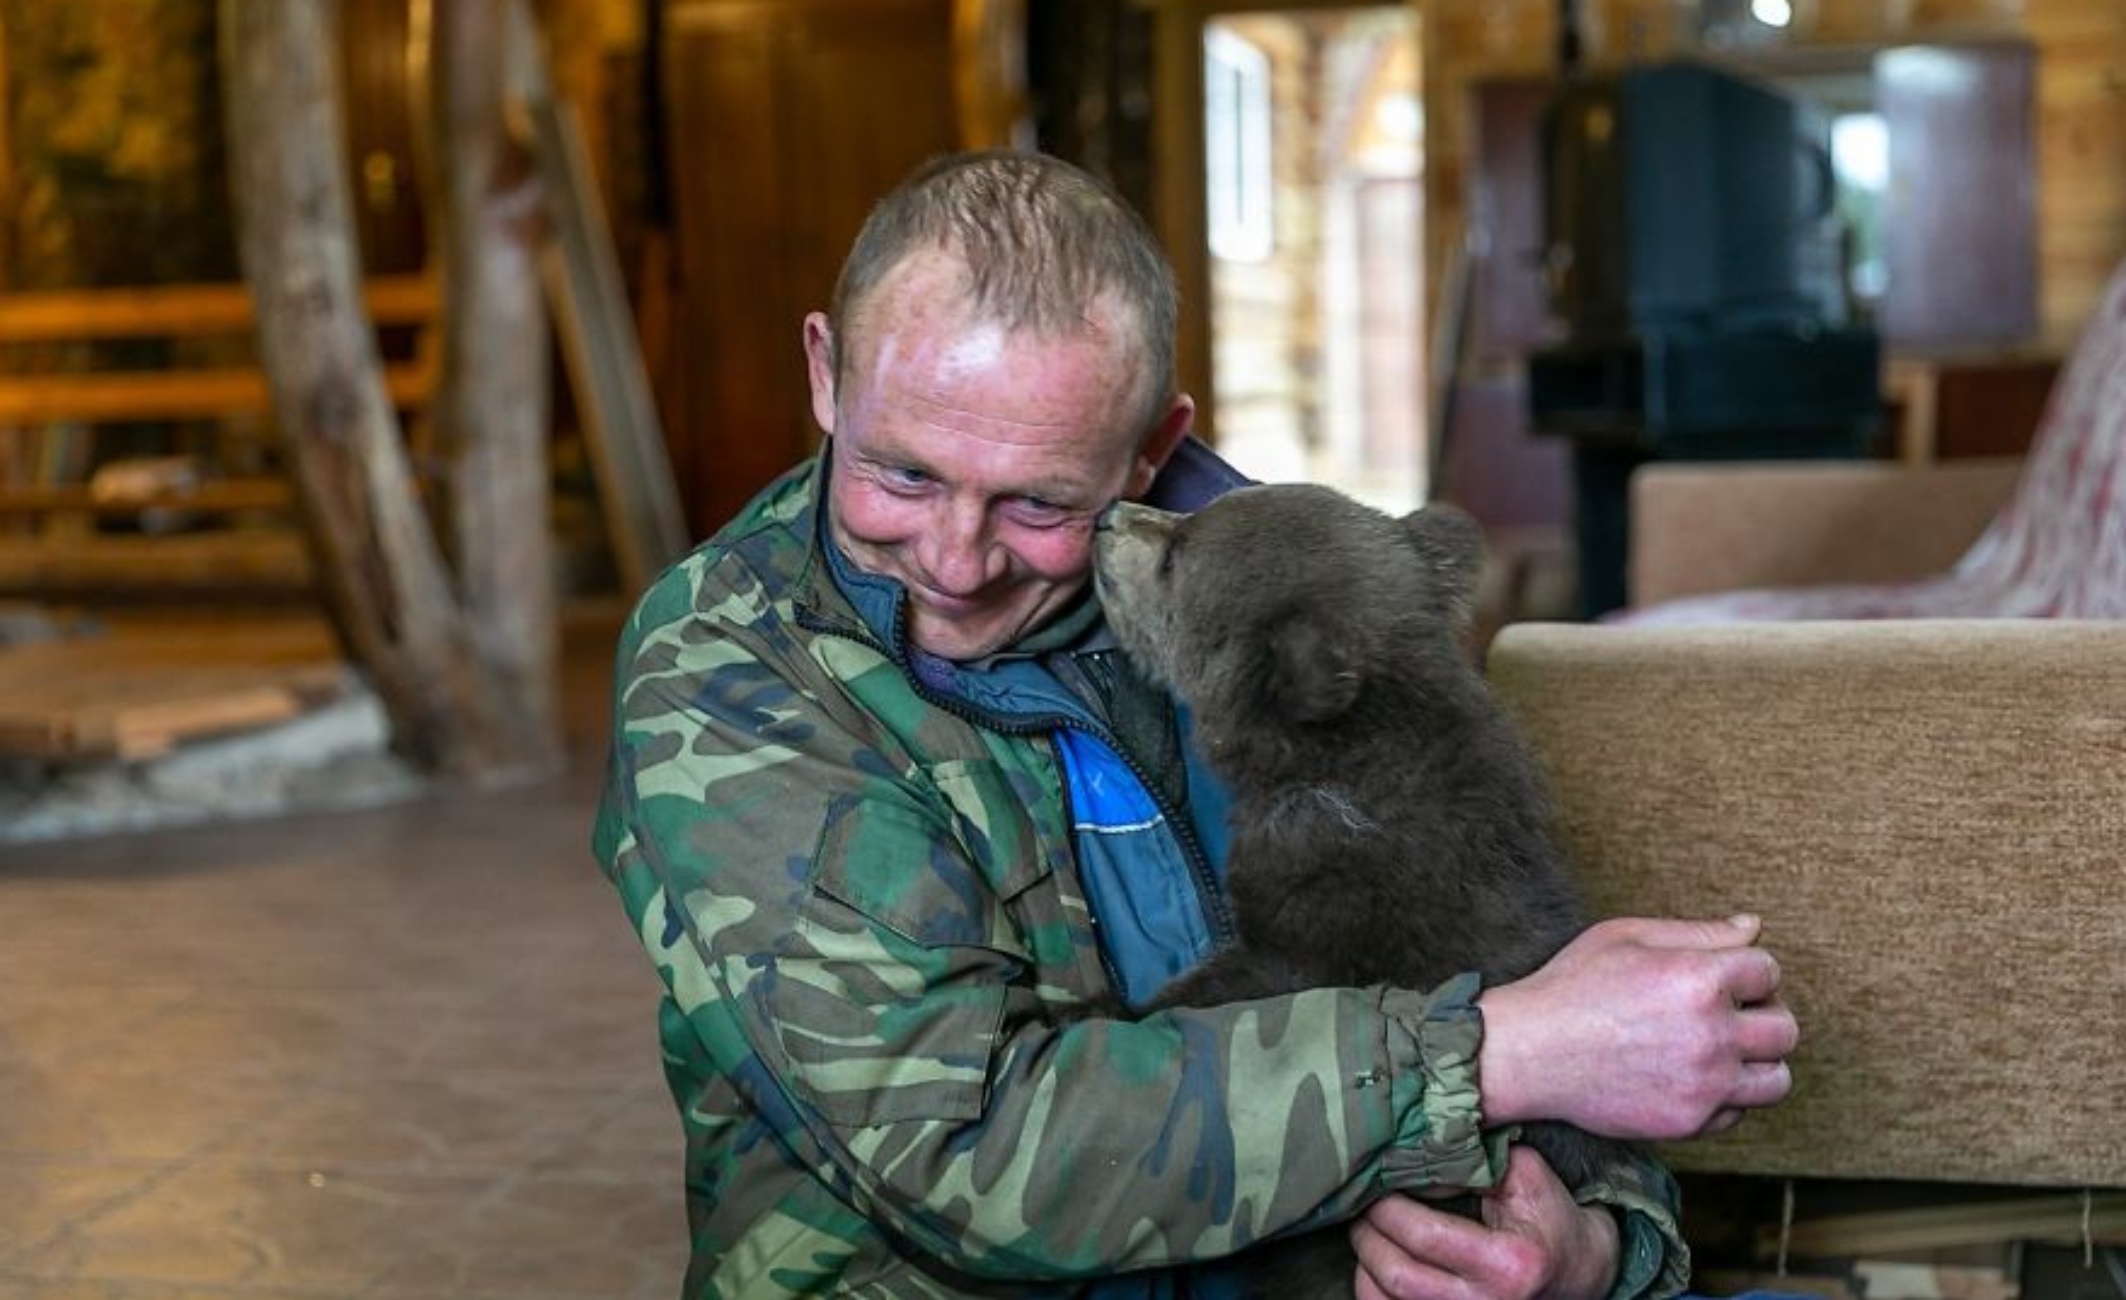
x=1286, y=603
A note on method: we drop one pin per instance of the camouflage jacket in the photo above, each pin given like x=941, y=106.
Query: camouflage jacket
x=871, y=889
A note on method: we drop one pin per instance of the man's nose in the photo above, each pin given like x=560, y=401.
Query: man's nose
x=959, y=551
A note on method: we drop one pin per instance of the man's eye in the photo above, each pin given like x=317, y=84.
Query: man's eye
x=903, y=478
x=1036, y=513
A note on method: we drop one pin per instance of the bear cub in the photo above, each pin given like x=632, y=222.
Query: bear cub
x=1388, y=826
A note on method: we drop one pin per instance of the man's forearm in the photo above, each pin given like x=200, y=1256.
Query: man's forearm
x=1188, y=1164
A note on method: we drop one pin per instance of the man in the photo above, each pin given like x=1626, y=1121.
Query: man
x=900, y=828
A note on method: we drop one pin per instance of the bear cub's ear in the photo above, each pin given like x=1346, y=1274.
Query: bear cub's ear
x=1314, y=671
x=1450, y=549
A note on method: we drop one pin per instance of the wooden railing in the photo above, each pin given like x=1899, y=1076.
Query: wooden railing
x=175, y=311
x=51, y=538
x=585, y=295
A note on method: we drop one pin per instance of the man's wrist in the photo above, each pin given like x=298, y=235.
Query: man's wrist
x=1503, y=1066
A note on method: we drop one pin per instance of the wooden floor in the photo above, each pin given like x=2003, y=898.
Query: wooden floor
x=395, y=1054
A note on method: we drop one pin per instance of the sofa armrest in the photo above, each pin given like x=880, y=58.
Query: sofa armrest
x=1699, y=527
x=1927, y=815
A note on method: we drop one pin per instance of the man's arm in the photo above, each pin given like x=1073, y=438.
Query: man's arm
x=928, y=1082
x=1641, y=1029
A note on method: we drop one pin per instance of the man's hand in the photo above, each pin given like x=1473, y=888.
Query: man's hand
x=1640, y=1028
x=1534, y=1242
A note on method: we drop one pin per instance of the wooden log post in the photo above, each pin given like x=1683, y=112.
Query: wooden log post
x=490, y=412
x=387, y=583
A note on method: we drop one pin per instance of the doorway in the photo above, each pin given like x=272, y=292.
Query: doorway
x=1313, y=138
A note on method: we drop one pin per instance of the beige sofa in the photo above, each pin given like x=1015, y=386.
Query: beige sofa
x=1699, y=527
x=1931, y=818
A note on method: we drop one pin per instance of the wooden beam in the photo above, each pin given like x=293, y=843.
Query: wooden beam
x=151, y=729
x=216, y=496
x=250, y=560
x=1972, y=1223
x=183, y=311
x=117, y=397
x=1179, y=204
x=588, y=299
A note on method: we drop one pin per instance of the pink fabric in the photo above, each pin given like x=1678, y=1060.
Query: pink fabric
x=2056, y=550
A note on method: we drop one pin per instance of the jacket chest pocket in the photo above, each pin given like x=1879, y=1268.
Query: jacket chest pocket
x=922, y=934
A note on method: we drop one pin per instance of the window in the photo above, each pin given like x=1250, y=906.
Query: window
x=1236, y=144
x=1860, y=159
x=1734, y=24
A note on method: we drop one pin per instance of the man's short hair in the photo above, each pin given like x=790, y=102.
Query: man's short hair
x=1041, y=241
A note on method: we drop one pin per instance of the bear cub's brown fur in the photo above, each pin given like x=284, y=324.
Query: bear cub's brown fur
x=1388, y=825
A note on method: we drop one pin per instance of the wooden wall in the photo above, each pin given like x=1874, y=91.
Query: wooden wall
x=109, y=144
x=2081, y=47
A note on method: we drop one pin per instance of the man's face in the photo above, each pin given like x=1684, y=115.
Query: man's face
x=970, y=461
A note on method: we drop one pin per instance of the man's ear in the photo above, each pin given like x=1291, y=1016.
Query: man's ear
x=819, y=368
x=1313, y=671
x=1158, y=444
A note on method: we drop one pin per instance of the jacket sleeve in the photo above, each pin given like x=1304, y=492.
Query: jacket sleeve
x=815, y=903
x=1653, y=1261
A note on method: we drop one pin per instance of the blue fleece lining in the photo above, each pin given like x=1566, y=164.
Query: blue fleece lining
x=1142, y=890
